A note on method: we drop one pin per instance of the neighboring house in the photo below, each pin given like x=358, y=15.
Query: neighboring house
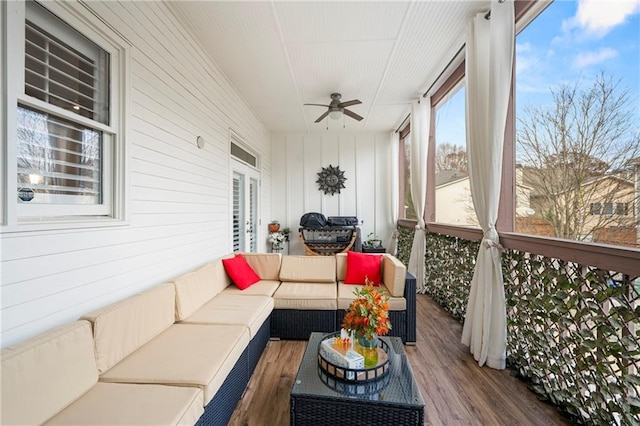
x=453, y=199
x=605, y=207
x=455, y=206
x=612, y=196
x=611, y=211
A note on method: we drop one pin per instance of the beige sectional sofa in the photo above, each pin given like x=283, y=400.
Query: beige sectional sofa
x=181, y=352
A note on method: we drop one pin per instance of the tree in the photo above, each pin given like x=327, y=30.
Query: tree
x=451, y=157
x=576, y=155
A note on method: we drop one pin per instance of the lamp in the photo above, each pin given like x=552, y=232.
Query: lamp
x=335, y=114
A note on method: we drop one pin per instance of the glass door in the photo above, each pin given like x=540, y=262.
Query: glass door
x=246, y=187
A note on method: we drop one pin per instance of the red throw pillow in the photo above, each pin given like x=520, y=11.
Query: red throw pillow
x=240, y=272
x=361, y=265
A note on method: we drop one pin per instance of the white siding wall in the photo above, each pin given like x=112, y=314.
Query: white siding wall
x=180, y=198
x=364, y=157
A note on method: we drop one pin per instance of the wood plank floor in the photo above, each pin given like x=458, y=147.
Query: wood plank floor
x=456, y=391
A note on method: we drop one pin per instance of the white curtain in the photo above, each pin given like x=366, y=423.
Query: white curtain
x=420, y=116
x=392, y=245
x=489, y=59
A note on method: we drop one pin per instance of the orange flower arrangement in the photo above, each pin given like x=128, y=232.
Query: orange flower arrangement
x=368, y=313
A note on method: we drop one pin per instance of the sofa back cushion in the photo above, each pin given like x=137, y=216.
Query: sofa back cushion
x=341, y=266
x=394, y=274
x=266, y=265
x=196, y=288
x=44, y=374
x=310, y=269
x=123, y=327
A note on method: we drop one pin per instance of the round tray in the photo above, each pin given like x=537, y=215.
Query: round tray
x=327, y=369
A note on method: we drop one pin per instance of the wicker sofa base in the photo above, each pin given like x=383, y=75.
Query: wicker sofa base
x=257, y=345
x=294, y=324
x=220, y=409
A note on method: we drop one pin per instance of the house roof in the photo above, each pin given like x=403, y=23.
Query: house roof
x=449, y=176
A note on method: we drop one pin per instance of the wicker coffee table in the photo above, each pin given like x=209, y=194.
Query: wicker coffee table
x=320, y=400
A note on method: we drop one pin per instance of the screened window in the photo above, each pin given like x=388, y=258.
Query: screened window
x=577, y=92
x=407, y=210
x=453, y=194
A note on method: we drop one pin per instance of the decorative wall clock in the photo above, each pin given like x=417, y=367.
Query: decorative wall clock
x=331, y=180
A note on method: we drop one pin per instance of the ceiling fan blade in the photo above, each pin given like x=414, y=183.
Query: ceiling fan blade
x=349, y=103
x=327, y=106
x=322, y=117
x=353, y=115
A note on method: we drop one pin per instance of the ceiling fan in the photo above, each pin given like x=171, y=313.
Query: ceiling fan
x=336, y=108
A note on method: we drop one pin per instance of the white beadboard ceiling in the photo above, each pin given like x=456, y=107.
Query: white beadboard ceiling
x=282, y=54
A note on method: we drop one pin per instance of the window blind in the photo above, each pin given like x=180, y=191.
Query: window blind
x=63, y=76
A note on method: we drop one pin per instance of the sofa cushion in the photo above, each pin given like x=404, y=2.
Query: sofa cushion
x=121, y=328
x=346, y=296
x=261, y=288
x=236, y=309
x=240, y=272
x=128, y=404
x=341, y=266
x=194, y=289
x=308, y=269
x=394, y=274
x=266, y=265
x=221, y=280
x=44, y=374
x=361, y=266
x=302, y=295
x=184, y=355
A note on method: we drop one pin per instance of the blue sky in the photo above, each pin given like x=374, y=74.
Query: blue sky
x=570, y=41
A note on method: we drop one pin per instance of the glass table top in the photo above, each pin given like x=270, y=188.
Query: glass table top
x=397, y=387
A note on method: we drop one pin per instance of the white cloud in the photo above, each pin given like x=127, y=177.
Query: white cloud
x=598, y=17
x=593, y=58
x=523, y=47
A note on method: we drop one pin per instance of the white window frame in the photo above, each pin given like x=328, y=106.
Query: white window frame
x=26, y=217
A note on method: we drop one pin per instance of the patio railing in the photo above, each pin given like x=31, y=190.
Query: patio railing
x=573, y=315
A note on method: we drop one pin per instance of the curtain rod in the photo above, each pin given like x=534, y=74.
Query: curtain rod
x=444, y=70
x=403, y=121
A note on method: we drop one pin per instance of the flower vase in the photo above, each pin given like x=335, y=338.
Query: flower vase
x=368, y=348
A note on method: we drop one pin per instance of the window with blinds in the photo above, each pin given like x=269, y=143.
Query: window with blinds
x=61, y=159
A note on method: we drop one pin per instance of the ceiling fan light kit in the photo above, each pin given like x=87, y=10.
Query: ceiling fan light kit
x=335, y=114
x=336, y=109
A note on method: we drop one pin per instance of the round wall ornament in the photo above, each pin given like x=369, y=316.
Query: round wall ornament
x=331, y=180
